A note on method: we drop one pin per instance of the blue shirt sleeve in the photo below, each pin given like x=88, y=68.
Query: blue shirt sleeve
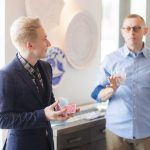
x=96, y=91
x=104, y=73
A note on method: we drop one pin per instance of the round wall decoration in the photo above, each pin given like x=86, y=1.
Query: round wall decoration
x=81, y=40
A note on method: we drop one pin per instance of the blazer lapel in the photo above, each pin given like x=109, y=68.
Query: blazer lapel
x=27, y=79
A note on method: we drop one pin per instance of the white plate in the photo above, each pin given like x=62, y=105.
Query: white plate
x=81, y=40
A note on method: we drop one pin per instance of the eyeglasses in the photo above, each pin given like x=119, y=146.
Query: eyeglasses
x=135, y=28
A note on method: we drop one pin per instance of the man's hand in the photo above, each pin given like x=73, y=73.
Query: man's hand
x=114, y=81
x=71, y=109
x=56, y=115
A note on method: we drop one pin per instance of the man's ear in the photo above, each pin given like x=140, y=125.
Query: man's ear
x=29, y=45
x=145, y=30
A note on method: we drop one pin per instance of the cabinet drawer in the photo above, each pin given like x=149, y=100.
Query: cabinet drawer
x=98, y=145
x=74, y=139
x=98, y=133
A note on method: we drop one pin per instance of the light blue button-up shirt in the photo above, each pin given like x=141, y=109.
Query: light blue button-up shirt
x=128, y=112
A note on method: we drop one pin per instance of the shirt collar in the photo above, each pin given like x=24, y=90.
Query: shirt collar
x=125, y=51
x=26, y=64
x=145, y=51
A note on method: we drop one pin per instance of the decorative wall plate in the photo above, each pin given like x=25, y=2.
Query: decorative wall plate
x=81, y=40
x=57, y=60
x=47, y=10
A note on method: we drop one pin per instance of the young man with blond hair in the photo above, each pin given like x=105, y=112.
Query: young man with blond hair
x=125, y=83
x=26, y=99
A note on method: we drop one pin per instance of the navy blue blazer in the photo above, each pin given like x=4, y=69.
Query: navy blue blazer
x=22, y=110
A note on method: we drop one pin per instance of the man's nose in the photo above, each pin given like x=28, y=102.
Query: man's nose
x=132, y=30
x=48, y=43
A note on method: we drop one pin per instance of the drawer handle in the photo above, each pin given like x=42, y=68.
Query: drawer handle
x=102, y=130
x=75, y=140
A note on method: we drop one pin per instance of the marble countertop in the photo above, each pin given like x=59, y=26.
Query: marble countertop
x=84, y=119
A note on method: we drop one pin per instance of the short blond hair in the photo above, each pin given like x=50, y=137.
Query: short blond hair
x=24, y=29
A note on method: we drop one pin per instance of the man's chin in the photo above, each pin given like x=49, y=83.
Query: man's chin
x=132, y=43
x=42, y=56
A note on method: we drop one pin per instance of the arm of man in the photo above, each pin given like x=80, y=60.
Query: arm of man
x=10, y=118
x=27, y=120
x=24, y=120
x=107, y=92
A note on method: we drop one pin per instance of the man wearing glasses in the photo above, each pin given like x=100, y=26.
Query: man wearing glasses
x=125, y=82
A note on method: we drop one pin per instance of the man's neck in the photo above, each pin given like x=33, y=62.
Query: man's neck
x=137, y=48
x=29, y=58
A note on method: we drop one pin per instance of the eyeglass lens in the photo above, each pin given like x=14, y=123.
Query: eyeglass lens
x=135, y=28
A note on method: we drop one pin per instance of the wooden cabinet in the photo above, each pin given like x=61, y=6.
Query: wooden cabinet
x=80, y=135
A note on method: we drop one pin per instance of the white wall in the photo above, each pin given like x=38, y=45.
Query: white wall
x=76, y=85
x=13, y=9
x=2, y=33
